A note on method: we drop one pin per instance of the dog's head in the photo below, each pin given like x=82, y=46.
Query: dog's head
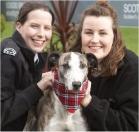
x=72, y=68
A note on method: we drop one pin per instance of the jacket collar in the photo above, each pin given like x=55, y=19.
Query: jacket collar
x=28, y=54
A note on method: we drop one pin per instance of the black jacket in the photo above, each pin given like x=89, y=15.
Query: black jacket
x=114, y=104
x=19, y=77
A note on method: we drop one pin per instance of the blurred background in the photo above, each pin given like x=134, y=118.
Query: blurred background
x=68, y=15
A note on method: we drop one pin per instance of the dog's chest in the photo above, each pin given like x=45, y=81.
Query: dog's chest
x=62, y=120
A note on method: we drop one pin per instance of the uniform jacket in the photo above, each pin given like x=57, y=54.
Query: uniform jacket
x=19, y=77
x=114, y=104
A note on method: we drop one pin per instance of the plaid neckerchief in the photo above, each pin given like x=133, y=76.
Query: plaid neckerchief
x=70, y=99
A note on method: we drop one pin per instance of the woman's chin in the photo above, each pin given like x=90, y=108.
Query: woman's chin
x=38, y=50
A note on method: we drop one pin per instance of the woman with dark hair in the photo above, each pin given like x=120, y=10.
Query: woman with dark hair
x=22, y=61
x=112, y=103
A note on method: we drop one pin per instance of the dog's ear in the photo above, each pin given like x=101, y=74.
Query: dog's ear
x=52, y=60
x=92, y=64
x=92, y=61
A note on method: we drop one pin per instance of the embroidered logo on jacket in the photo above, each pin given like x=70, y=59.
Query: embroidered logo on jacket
x=9, y=51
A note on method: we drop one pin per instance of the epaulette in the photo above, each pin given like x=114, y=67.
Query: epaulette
x=9, y=47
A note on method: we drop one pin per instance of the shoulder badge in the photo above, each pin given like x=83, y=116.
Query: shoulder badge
x=9, y=51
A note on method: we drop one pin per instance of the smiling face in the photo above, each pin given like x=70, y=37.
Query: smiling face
x=37, y=29
x=97, y=35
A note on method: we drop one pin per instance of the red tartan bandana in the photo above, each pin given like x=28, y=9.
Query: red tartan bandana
x=70, y=99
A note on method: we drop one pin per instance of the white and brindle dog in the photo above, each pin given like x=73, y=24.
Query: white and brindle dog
x=51, y=113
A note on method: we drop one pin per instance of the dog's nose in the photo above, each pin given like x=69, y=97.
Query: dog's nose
x=76, y=85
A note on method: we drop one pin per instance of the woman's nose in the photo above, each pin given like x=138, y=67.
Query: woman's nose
x=41, y=33
x=95, y=38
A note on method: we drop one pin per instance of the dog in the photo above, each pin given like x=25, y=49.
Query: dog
x=59, y=109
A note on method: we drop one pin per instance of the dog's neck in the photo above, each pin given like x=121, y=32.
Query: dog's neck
x=70, y=99
x=64, y=116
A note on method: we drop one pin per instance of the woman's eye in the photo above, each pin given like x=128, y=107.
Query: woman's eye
x=102, y=33
x=34, y=26
x=47, y=28
x=88, y=32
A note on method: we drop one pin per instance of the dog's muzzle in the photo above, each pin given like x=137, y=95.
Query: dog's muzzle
x=71, y=99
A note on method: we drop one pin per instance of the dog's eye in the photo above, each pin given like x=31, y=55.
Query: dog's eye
x=82, y=65
x=66, y=66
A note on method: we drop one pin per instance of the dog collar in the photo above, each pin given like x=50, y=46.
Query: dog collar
x=70, y=99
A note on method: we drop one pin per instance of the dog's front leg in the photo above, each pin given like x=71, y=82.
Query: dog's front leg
x=31, y=121
x=45, y=109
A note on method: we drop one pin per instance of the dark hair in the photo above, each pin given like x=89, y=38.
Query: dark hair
x=109, y=64
x=30, y=6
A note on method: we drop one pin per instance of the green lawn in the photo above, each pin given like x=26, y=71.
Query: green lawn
x=9, y=28
x=130, y=35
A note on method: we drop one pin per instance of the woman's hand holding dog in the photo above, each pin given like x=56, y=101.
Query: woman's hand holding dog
x=88, y=97
x=46, y=81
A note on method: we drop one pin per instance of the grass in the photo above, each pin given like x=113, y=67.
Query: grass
x=9, y=28
x=130, y=35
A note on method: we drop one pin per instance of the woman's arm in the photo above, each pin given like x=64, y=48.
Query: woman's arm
x=15, y=102
x=120, y=113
